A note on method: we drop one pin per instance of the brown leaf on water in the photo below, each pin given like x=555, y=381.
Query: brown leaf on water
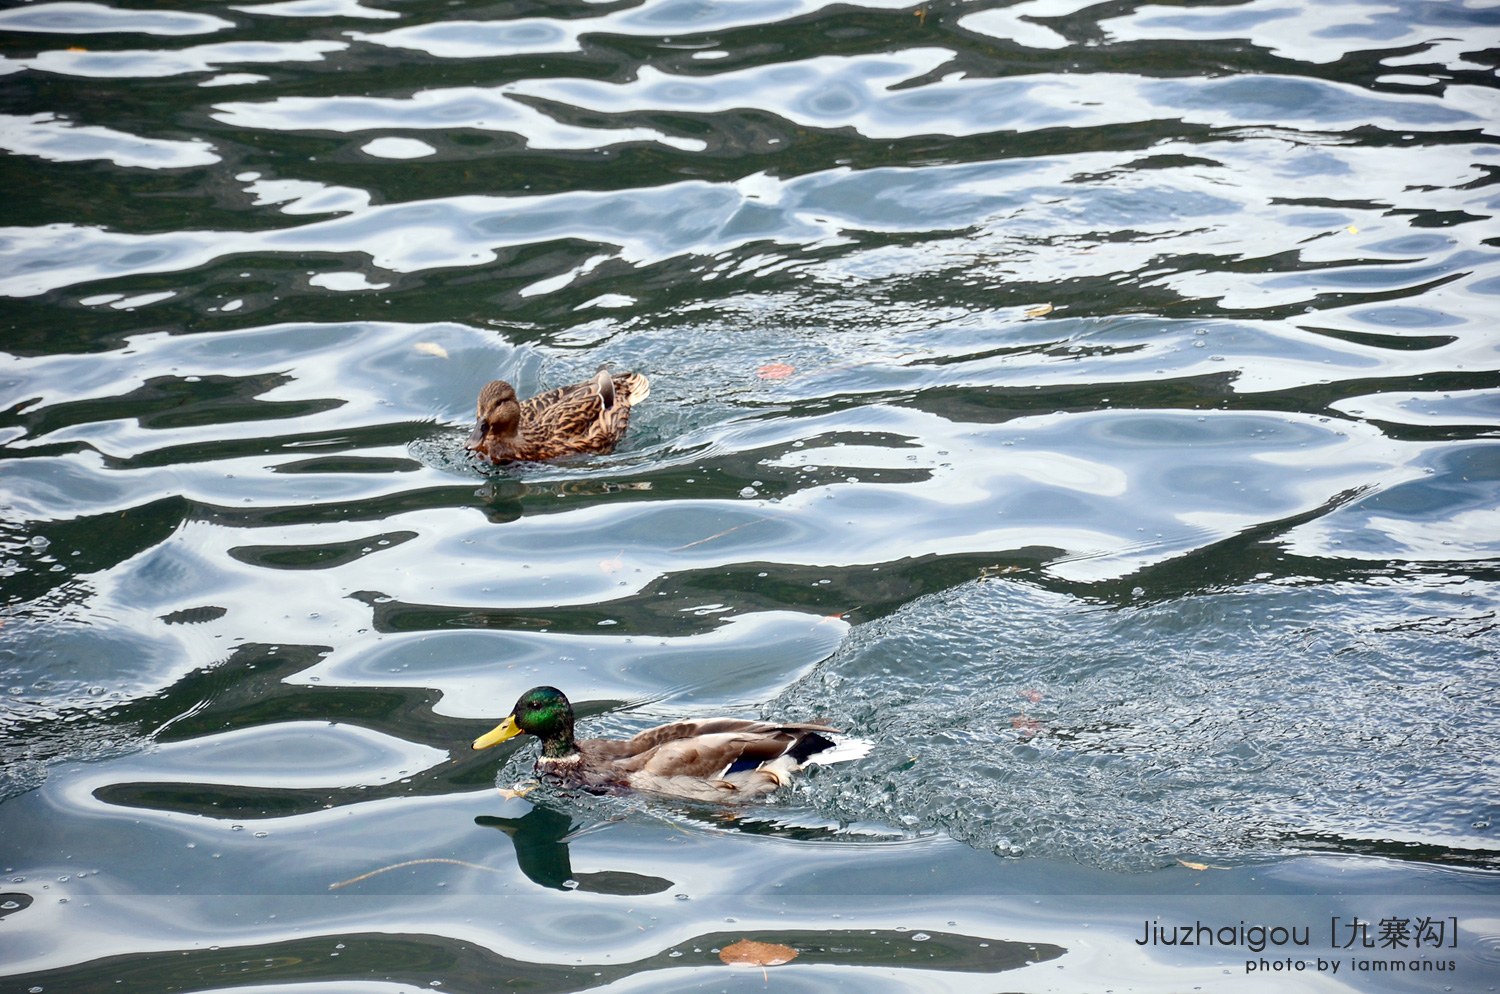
x=775, y=371
x=1201, y=866
x=748, y=952
x=1038, y=310
x=1032, y=695
x=75, y=48
x=1025, y=725
x=432, y=348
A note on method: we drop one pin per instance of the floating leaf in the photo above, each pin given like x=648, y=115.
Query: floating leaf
x=747, y=952
x=1351, y=229
x=1038, y=310
x=1025, y=725
x=518, y=790
x=411, y=862
x=432, y=348
x=75, y=48
x=775, y=371
x=1032, y=695
x=1201, y=866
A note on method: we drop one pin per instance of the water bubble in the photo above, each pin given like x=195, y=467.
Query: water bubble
x=920, y=937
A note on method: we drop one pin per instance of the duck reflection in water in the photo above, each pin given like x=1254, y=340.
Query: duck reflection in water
x=541, y=839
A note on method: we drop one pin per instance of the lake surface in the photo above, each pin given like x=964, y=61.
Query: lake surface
x=1097, y=406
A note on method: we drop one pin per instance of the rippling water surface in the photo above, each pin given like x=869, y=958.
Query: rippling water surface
x=1096, y=405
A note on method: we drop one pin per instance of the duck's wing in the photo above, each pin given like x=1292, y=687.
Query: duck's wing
x=717, y=752
x=678, y=731
x=569, y=408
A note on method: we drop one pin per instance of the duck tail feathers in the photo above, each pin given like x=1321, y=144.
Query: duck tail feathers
x=634, y=387
x=842, y=751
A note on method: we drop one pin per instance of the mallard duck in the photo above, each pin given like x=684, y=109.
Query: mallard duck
x=717, y=760
x=585, y=417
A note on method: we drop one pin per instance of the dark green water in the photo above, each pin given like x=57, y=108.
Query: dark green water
x=1095, y=405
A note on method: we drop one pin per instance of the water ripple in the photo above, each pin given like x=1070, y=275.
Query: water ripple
x=1097, y=406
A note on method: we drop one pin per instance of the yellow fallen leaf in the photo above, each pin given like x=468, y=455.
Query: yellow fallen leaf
x=747, y=952
x=1038, y=310
x=520, y=790
x=1201, y=866
x=75, y=48
x=432, y=348
x=1351, y=229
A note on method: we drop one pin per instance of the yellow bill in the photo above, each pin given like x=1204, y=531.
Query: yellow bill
x=507, y=729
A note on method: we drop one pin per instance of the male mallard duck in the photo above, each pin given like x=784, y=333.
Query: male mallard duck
x=585, y=417
x=719, y=759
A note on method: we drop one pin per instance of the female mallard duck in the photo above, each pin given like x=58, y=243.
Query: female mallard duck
x=585, y=417
x=719, y=759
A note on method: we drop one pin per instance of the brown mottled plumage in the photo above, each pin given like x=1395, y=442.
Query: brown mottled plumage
x=586, y=417
x=717, y=760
